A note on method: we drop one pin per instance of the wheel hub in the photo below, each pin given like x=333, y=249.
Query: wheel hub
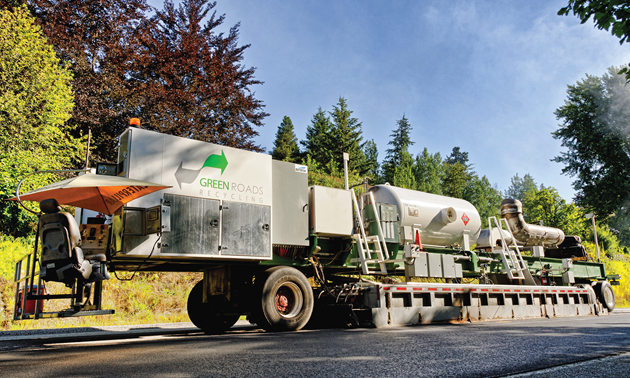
x=288, y=300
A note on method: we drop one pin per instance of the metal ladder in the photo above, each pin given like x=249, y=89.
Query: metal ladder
x=364, y=242
x=513, y=262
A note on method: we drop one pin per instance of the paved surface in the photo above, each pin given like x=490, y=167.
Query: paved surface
x=585, y=346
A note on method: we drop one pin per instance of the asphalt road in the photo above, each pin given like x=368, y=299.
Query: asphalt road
x=585, y=347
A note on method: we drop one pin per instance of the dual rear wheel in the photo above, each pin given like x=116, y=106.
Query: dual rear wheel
x=211, y=317
x=282, y=301
x=606, y=295
x=286, y=300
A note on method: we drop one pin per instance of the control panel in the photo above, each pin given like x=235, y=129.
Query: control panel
x=94, y=238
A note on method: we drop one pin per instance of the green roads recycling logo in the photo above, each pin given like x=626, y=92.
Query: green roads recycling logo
x=187, y=176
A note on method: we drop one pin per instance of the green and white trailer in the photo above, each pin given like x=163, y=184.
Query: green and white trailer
x=286, y=254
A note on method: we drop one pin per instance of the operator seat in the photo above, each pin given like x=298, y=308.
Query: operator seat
x=62, y=259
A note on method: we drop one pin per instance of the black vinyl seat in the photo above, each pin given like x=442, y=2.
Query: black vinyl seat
x=62, y=259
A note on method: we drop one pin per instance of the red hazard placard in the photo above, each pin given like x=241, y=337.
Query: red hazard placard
x=465, y=219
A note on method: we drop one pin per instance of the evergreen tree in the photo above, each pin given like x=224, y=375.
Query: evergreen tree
x=347, y=136
x=455, y=179
x=520, y=187
x=403, y=174
x=457, y=173
x=285, y=146
x=371, y=160
x=400, y=142
x=429, y=172
x=458, y=156
x=319, y=141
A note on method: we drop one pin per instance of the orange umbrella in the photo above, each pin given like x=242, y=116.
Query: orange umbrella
x=101, y=193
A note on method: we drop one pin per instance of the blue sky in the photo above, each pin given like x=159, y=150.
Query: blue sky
x=485, y=76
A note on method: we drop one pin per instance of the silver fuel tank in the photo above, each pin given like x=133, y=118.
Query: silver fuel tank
x=439, y=220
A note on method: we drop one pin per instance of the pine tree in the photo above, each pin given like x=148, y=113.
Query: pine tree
x=318, y=142
x=429, y=172
x=285, y=146
x=400, y=142
x=371, y=161
x=520, y=186
x=347, y=134
x=458, y=156
x=403, y=174
x=457, y=173
x=454, y=181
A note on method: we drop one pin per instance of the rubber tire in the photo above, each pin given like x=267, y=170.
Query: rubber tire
x=290, y=281
x=202, y=314
x=606, y=295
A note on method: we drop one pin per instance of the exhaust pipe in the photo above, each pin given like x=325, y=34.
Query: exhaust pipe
x=528, y=234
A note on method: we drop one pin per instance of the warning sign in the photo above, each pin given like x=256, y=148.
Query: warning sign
x=465, y=219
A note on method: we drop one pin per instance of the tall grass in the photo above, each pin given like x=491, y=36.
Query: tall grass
x=615, y=262
x=148, y=298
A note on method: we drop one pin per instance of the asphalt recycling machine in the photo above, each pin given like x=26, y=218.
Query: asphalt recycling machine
x=286, y=254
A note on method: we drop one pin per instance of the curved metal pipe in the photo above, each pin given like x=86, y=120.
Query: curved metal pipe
x=528, y=234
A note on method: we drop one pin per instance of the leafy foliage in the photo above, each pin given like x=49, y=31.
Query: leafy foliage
x=173, y=70
x=403, y=173
x=454, y=180
x=458, y=174
x=485, y=197
x=329, y=136
x=98, y=42
x=458, y=156
x=545, y=205
x=35, y=102
x=606, y=13
x=285, y=146
x=328, y=176
x=595, y=131
x=191, y=80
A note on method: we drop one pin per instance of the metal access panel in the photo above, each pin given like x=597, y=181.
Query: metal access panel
x=458, y=271
x=448, y=266
x=389, y=222
x=290, y=204
x=246, y=230
x=388, y=214
x=435, y=265
x=194, y=226
x=419, y=268
x=331, y=211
